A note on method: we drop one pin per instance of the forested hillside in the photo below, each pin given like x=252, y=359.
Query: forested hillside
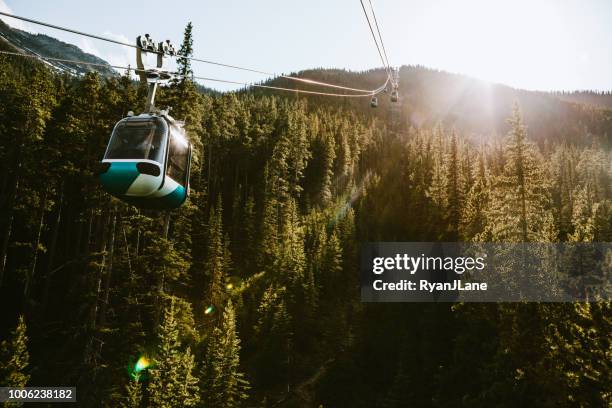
x=12, y=39
x=602, y=99
x=248, y=295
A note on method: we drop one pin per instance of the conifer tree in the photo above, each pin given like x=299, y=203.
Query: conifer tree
x=563, y=171
x=14, y=357
x=172, y=380
x=217, y=263
x=186, y=50
x=467, y=171
x=453, y=194
x=292, y=258
x=269, y=227
x=520, y=200
x=436, y=191
x=583, y=221
x=249, y=236
x=332, y=279
x=328, y=159
x=274, y=338
x=603, y=221
x=185, y=101
x=223, y=385
x=133, y=393
x=476, y=203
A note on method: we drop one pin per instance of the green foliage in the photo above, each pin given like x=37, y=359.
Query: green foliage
x=223, y=385
x=133, y=394
x=273, y=330
x=519, y=210
x=217, y=266
x=186, y=49
x=14, y=357
x=172, y=377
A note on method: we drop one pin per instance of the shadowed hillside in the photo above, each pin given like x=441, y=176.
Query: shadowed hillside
x=41, y=44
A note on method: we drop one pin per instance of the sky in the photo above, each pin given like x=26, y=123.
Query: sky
x=529, y=44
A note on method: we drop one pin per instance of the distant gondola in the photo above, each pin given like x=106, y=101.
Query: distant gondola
x=394, y=96
x=374, y=102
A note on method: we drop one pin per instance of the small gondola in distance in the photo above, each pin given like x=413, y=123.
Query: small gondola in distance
x=394, y=96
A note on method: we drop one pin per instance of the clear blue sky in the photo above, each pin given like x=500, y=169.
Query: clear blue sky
x=532, y=44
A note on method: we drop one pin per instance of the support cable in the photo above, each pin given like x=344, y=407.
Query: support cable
x=295, y=90
x=375, y=40
x=110, y=40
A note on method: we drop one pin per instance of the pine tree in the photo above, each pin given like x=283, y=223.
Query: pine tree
x=274, y=338
x=223, y=385
x=172, y=381
x=476, y=203
x=14, y=357
x=218, y=261
x=269, y=227
x=292, y=261
x=133, y=394
x=583, y=221
x=186, y=50
x=453, y=189
x=563, y=170
x=603, y=221
x=436, y=191
x=249, y=236
x=185, y=101
x=331, y=269
x=327, y=159
x=520, y=200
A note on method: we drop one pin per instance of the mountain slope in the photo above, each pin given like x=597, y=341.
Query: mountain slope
x=470, y=105
x=41, y=44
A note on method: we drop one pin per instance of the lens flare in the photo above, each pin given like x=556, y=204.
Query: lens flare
x=142, y=364
x=209, y=310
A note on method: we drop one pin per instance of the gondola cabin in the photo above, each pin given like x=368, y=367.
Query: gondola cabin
x=147, y=162
x=374, y=102
x=394, y=96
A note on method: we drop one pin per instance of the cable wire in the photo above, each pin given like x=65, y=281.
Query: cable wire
x=379, y=34
x=110, y=40
x=370, y=93
x=29, y=20
x=36, y=56
x=375, y=40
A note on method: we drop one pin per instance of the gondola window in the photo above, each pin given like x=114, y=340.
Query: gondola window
x=178, y=158
x=138, y=139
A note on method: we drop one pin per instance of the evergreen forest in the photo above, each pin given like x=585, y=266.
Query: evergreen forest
x=248, y=295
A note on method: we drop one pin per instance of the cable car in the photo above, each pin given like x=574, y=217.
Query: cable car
x=148, y=157
x=147, y=161
x=394, y=96
x=374, y=102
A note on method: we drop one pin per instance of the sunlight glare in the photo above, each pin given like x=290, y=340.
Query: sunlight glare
x=518, y=43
